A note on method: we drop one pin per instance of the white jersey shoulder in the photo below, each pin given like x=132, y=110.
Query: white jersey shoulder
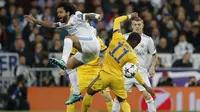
x=145, y=47
x=78, y=26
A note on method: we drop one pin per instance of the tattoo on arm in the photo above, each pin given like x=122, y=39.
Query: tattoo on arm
x=89, y=16
x=46, y=24
x=153, y=61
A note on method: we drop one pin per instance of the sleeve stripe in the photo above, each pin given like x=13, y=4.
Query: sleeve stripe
x=58, y=24
x=103, y=50
x=115, y=31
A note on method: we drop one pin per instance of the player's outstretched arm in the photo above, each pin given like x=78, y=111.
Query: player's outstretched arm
x=32, y=20
x=139, y=78
x=121, y=19
x=89, y=16
x=153, y=65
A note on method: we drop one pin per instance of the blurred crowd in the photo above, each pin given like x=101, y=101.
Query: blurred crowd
x=173, y=25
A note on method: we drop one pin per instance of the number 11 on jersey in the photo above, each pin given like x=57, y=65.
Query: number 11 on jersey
x=117, y=59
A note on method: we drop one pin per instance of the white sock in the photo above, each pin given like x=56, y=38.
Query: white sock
x=67, y=49
x=73, y=77
x=151, y=105
x=116, y=106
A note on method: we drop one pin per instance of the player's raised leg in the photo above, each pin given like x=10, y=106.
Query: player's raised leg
x=63, y=63
x=98, y=84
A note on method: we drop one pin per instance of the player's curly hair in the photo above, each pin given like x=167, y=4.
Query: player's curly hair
x=68, y=7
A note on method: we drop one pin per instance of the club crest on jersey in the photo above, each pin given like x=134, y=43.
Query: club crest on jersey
x=142, y=45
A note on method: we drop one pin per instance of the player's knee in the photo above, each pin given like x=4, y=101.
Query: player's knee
x=120, y=99
x=91, y=92
x=146, y=95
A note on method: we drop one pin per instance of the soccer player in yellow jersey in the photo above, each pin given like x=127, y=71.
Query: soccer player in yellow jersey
x=118, y=53
x=86, y=73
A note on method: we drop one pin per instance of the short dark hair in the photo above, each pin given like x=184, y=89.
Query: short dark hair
x=137, y=19
x=68, y=7
x=134, y=38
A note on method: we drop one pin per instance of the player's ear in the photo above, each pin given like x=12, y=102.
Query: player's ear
x=68, y=13
x=142, y=24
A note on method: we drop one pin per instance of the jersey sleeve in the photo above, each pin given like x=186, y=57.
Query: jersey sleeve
x=77, y=18
x=116, y=26
x=151, y=46
x=59, y=25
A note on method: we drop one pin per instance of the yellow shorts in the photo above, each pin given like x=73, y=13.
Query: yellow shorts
x=116, y=83
x=85, y=77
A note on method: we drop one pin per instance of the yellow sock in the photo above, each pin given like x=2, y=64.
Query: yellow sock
x=87, y=101
x=109, y=106
x=71, y=108
x=125, y=106
x=139, y=78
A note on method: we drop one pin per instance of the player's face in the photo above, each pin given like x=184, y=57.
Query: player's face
x=137, y=26
x=61, y=14
x=133, y=44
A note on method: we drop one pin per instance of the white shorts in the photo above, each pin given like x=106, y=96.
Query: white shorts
x=90, y=49
x=130, y=81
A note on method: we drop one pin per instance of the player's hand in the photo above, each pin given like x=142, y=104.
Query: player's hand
x=149, y=90
x=100, y=17
x=134, y=15
x=30, y=19
x=62, y=72
x=152, y=72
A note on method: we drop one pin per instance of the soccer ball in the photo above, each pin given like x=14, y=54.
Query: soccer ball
x=129, y=70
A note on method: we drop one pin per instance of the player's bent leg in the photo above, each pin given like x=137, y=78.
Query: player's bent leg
x=108, y=99
x=94, y=87
x=87, y=101
x=124, y=104
x=67, y=48
x=69, y=43
x=73, y=76
x=76, y=95
x=71, y=108
x=116, y=106
x=73, y=62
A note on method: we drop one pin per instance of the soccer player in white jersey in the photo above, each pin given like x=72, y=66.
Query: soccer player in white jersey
x=145, y=47
x=81, y=36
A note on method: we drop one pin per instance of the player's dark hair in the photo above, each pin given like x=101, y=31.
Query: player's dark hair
x=137, y=19
x=68, y=7
x=134, y=39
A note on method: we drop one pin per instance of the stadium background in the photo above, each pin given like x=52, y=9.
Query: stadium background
x=25, y=49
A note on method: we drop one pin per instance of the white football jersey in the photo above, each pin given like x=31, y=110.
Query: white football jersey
x=145, y=47
x=78, y=26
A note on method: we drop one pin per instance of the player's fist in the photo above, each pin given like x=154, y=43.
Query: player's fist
x=100, y=17
x=134, y=15
x=30, y=19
